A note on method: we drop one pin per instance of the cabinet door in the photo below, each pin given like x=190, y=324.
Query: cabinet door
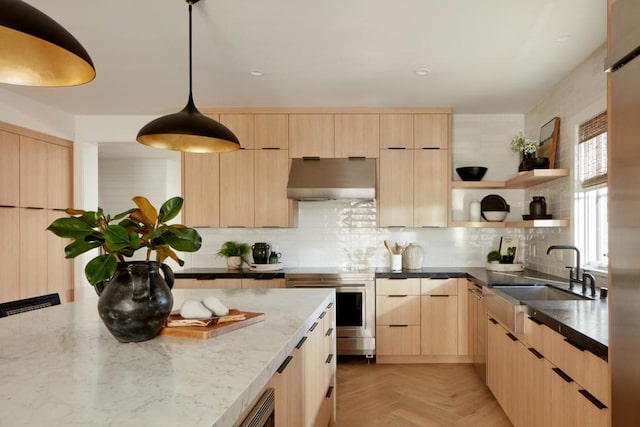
x=272, y=131
x=397, y=310
x=288, y=389
x=396, y=131
x=9, y=169
x=311, y=135
x=33, y=252
x=237, y=189
x=201, y=189
x=59, y=269
x=431, y=131
x=208, y=284
x=430, y=189
x=534, y=394
x=398, y=340
x=33, y=173
x=272, y=207
x=313, y=373
x=472, y=322
x=396, y=188
x=263, y=284
x=10, y=259
x=59, y=177
x=439, y=328
x=565, y=398
x=242, y=125
x=357, y=135
x=439, y=286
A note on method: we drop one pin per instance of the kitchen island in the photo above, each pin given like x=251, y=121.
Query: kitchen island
x=60, y=365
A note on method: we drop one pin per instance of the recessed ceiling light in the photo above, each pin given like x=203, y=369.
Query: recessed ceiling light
x=256, y=73
x=423, y=72
x=563, y=37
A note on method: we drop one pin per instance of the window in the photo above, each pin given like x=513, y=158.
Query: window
x=591, y=225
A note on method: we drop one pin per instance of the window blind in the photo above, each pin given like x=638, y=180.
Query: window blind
x=593, y=151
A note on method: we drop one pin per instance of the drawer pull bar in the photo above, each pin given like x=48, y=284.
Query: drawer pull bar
x=562, y=375
x=492, y=320
x=573, y=344
x=284, y=364
x=329, y=358
x=534, y=320
x=324, y=313
x=397, y=296
x=512, y=337
x=591, y=398
x=301, y=343
x=329, y=392
x=536, y=353
x=329, y=332
x=439, y=296
x=398, y=326
x=315, y=325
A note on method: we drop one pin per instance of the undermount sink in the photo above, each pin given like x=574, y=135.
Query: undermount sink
x=540, y=293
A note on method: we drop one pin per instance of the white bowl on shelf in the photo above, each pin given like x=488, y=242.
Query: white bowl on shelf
x=495, y=216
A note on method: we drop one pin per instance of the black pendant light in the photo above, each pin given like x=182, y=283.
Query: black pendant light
x=37, y=51
x=188, y=130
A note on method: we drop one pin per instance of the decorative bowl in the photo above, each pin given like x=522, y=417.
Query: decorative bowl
x=471, y=173
x=495, y=216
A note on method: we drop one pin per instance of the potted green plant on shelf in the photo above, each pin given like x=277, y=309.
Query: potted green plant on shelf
x=134, y=299
x=494, y=257
x=235, y=252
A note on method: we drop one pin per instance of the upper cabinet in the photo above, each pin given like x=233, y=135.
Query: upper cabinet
x=396, y=131
x=9, y=169
x=431, y=130
x=33, y=173
x=395, y=193
x=201, y=189
x=430, y=189
x=242, y=125
x=357, y=135
x=237, y=188
x=272, y=131
x=272, y=207
x=311, y=135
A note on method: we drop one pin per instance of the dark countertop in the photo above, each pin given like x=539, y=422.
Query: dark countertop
x=585, y=323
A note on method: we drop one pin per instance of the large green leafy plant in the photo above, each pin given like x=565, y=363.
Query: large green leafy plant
x=122, y=235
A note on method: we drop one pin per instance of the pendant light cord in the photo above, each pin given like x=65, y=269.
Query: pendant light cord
x=190, y=54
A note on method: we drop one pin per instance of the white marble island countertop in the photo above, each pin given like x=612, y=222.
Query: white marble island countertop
x=60, y=365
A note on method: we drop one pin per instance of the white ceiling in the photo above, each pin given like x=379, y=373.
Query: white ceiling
x=485, y=56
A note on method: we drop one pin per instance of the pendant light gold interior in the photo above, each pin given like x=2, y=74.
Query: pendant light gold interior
x=37, y=51
x=188, y=130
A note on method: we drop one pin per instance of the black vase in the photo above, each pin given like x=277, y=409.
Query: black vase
x=530, y=162
x=136, y=302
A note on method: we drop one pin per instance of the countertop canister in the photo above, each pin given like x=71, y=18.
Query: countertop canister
x=412, y=257
x=474, y=210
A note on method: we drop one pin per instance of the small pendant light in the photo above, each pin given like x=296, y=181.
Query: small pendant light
x=37, y=51
x=188, y=130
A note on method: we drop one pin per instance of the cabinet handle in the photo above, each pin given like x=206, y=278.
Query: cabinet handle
x=301, y=343
x=430, y=148
x=284, y=364
x=512, y=337
x=34, y=208
x=329, y=392
x=8, y=206
x=270, y=226
x=396, y=148
x=398, y=326
x=329, y=358
x=562, y=375
x=330, y=305
x=310, y=157
x=270, y=148
x=397, y=296
x=397, y=278
x=534, y=320
x=261, y=278
x=315, y=324
x=329, y=332
x=573, y=344
x=536, y=353
x=439, y=296
x=356, y=158
x=591, y=398
x=236, y=226
x=492, y=320
x=396, y=226
x=324, y=313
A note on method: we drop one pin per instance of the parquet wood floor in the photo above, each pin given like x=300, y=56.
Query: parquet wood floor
x=435, y=395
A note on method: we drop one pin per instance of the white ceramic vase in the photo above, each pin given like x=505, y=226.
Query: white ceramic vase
x=412, y=257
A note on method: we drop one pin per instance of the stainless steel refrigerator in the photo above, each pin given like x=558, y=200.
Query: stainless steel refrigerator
x=624, y=212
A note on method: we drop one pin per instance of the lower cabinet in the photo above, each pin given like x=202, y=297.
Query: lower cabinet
x=532, y=390
x=305, y=382
x=224, y=283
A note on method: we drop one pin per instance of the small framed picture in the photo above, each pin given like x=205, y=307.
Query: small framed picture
x=508, y=248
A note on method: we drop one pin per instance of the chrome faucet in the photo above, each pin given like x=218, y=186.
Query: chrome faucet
x=574, y=272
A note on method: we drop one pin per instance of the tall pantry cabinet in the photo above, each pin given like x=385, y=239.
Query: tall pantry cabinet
x=36, y=186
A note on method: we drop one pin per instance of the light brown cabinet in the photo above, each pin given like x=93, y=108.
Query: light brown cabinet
x=430, y=188
x=439, y=327
x=395, y=195
x=226, y=283
x=397, y=317
x=263, y=283
x=33, y=173
x=289, y=391
x=11, y=255
x=431, y=131
x=396, y=131
x=59, y=177
x=59, y=268
x=242, y=126
x=272, y=131
x=272, y=207
x=201, y=189
x=357, y=135
x=237, y=189
x=33, y=252
x=311, y=135
x=9, y=169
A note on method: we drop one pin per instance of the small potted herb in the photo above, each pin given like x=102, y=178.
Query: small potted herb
x=494, y=257
x=235, y=252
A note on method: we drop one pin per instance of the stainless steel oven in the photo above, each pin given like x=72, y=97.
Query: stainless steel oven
x=355, y=306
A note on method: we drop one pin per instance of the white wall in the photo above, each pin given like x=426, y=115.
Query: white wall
x=580, y=96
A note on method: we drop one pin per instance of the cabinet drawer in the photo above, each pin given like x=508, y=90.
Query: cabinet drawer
x=398, y=310
x=584, y=367
x=533, y=334
x=397, y=287
x=439, y=286
x=398, y=340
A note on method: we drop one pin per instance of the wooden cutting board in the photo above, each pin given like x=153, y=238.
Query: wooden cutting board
x=205, y=332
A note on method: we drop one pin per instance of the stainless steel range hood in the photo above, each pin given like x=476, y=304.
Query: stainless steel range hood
x=325, y=179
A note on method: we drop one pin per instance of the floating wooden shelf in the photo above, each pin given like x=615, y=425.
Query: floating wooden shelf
x=522, y=180
x=536, y=223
